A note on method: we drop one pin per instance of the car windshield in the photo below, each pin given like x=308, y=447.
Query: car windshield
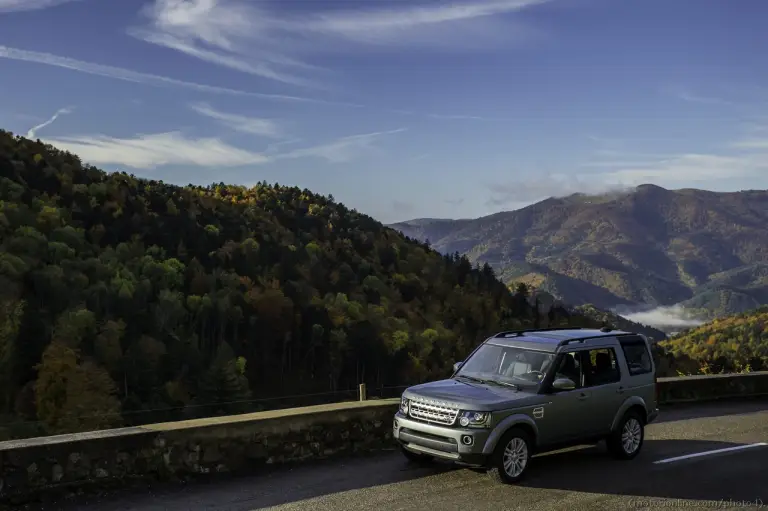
x=506, y=365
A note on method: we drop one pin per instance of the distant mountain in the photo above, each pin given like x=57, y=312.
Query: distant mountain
x=649, y=246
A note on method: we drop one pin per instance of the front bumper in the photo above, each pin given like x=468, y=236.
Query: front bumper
x=460, y=445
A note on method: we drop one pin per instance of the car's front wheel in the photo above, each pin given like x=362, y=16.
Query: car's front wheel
x=627, y=440
x=512, y=456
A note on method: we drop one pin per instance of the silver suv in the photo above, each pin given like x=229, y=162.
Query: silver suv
x=525, y=392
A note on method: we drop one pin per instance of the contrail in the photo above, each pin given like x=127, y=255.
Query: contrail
x=31, y=133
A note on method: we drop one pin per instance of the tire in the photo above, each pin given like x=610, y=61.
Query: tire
x=514, y=443
x=415, y=457
x=626, y=441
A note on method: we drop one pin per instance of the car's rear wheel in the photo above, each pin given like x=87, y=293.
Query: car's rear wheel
x=416, y=457
x=627, y=439
x=510, y=460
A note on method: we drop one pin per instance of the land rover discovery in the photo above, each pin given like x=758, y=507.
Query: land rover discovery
x=525, y=392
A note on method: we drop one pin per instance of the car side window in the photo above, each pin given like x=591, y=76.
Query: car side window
x=637, y=356
x=569, y=366
x=600, y=367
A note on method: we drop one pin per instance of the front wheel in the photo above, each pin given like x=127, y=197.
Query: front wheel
x=511, y=457
x=627, y=440
x=416, y=457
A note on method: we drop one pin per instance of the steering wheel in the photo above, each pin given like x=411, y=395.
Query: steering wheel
x=539, y=374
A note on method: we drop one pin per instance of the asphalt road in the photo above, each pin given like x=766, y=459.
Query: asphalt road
x=584, y=478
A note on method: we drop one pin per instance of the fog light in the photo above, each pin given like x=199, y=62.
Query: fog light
x=467, y=439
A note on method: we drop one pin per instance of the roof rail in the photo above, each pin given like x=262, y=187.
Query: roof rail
x=521, y=332
x=590, y=337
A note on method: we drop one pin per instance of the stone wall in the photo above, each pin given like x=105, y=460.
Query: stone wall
x=711, y=387
x=182, y=449
x=243, y=443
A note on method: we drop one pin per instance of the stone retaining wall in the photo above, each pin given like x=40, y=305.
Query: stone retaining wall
x=244, y=442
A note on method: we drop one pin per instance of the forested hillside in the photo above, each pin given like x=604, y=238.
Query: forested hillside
x=732, y=344
x=120, y=295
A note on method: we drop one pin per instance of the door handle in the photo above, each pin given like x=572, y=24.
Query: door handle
x=583, y=396
x=620, y=390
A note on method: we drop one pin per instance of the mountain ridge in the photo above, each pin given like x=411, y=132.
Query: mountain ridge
x=644, y=246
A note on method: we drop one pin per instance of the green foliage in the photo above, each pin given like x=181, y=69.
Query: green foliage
x=733, y=344
x=139, y=295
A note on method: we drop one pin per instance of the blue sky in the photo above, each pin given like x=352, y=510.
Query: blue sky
x=401, y=108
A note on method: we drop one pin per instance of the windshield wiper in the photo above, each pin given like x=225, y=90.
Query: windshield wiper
x=471, y=378
x=506, y=384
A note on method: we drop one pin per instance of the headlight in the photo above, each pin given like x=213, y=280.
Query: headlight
x=475, y=419
x=404, y=404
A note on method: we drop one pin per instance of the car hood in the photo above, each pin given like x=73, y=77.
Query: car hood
x=473, y=396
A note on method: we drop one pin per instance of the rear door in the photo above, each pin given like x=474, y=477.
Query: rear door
x=603, y=382
x=640, y=369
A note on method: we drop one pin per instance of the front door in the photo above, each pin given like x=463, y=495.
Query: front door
x=564, y=418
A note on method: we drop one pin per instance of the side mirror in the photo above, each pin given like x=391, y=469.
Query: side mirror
x=563, y=384
x=457, y=366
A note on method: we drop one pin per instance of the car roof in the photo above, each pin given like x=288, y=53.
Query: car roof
x=551, y=339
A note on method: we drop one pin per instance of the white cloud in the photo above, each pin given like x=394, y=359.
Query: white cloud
x=229, y=33
x=154, y=150
x=29, y=5
x=128, y=75
x=149, y=151
x=528, y=191
x=430, y=25
x=32, y=133
x=242, y=36
x=341, y=150
x=671, y=316
x=695, y=98
x=252, y=125
x=619, y=175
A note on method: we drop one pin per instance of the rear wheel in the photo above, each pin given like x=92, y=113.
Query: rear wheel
x=627, y=440
x=512, y=456
x=416, y=457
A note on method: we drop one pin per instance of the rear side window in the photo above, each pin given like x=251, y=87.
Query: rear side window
x=637, y=355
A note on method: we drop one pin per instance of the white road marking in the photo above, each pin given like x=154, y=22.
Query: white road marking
x=716, y=451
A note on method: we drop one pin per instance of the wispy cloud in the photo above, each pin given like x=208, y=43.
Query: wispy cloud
x=250, y=38
x=149, y=151
x=128, y=75
x=343, y=149
x=757, y=140
x=432, y=25
x=32, y=133
x=237, y=122
x=229, y=33
x=744, y=159
x=692, y=97
x=155, y=150
x=29, y=5
x=528, y=191
x=686, y=169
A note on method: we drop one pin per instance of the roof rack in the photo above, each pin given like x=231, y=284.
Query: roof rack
x=590, y=337
x=510, y=333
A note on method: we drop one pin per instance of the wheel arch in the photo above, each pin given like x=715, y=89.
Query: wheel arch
x=521, y=421
x=634, y=403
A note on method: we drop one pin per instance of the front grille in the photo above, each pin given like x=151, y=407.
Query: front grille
x=433, y=412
